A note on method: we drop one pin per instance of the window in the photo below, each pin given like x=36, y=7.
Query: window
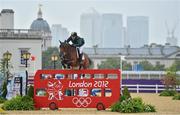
x=85, y=76
x=96, y=92
x=108, y=92
x=112, y=76
x=59, y=76
x=22, y=51
x=98, y=76
x=83, y=92
x=46, y=76
x=70, y=92
x=41, y=92
x=72, y=76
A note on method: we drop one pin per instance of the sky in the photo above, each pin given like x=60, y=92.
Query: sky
x=67, y=13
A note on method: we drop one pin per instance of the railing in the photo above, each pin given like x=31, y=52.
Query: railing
x=147, y=88
x=20, y=33
x=144, y=74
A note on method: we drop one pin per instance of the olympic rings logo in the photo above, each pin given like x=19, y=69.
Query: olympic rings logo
x=81, y=102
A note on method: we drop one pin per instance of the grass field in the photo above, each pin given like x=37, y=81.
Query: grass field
x=163, y=105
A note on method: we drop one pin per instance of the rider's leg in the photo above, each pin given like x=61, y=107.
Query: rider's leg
x=80, y=54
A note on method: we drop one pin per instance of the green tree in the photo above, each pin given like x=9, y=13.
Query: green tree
x=4, y=90
x=114, y=63
x=170, y=80
x=46, y=58
x=126, y=92
x=175, y=66
x=31, y=91
x=110, y=63
x=159, y=67
x=146, y=65
x=2, y=66
x=126, y=66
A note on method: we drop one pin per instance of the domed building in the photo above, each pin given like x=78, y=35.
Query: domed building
x=41, y=25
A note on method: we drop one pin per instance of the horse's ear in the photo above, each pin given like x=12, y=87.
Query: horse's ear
x=60, y=41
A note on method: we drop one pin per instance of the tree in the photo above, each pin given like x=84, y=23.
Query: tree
x=2, y=66
x=170, y=80
x=110, y=63
x=4, y=90
x=46, y=58
x=146, y=65
x=114, y=63
x=159, y=67
x=126, y=66
x=31, y=91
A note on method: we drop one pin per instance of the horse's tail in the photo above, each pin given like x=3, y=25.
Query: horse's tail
x=90, y=61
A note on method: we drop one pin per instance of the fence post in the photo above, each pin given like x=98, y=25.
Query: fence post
x=156, y=88
x=137, y=88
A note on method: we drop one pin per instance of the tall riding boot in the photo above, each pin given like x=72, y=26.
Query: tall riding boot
x=80, y=59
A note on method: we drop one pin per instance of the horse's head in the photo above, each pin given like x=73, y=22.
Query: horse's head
x=64, y=48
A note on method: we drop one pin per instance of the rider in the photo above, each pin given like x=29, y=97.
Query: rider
x=78, y=42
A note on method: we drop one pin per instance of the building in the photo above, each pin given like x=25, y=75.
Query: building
x=112, y=31
x=7, y=19
x=58, y=33
x=41, y=25
x=137, y=31
x=90, y=27
x=154, y=53
x=19, y=41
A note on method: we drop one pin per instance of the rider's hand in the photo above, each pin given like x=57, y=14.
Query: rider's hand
x=73, y=45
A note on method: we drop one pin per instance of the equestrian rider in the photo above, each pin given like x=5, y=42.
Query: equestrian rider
x=77, y=42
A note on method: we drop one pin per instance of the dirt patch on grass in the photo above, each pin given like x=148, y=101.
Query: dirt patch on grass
x=162, y=104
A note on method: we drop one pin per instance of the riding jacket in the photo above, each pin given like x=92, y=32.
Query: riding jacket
x=77, y=41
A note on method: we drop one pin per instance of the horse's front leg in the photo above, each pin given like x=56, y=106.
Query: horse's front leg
x=64, y=66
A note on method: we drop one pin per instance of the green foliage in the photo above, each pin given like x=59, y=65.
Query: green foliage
x=30, y=92
x=126, y=93
x=168, y=93
x=110, y=64
x=175, y=66
x=176, y=96
x=46, y=58
x=132, y=105
x=126, y=66
x=169, y=79
x=19, y=103
x=114, y=63
x=2, y=66
x=4, y=90
x=2, y=100
x=159, y=67
x=149, y=108
x=122, y=98
x=146, y=65
x=116, y=107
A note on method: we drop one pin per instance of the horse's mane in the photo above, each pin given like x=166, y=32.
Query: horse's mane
x=69, y=47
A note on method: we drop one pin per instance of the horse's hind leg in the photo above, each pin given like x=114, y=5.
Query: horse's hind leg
x=80, y=66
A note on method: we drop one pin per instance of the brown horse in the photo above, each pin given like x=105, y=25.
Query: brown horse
x=69, y=57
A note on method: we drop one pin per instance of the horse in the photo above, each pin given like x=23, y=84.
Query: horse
x=69, y=57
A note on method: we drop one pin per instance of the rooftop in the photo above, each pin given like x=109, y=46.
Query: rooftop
x=20, y=34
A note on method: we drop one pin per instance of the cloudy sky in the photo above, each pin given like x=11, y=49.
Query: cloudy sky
x=67, y=13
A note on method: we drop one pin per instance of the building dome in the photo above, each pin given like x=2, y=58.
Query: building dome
x=40, y=24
